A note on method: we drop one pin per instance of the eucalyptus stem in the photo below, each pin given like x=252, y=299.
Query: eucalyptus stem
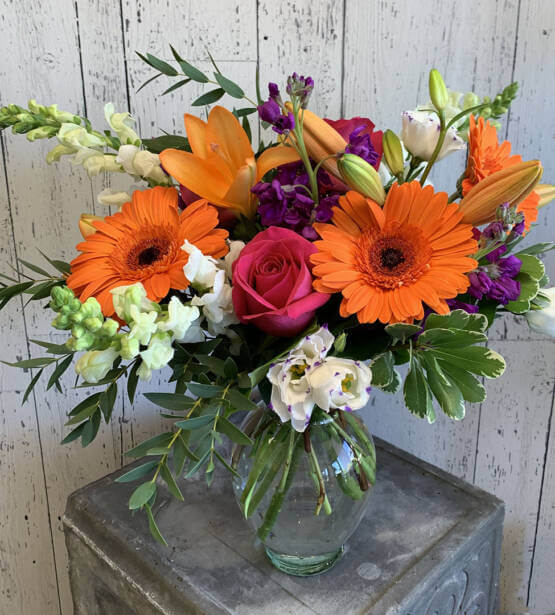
x=279, y=495
x=322, y=496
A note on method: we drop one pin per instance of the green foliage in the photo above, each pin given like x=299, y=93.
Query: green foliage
x=159, y=144
x=530, y=275
x=444, y=362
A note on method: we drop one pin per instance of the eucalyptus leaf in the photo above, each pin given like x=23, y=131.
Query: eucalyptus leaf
x=166, y=474
x=31, y=386
x=226, y=427
x=196, y=422
x=142, y=494
x=205, y=390
x=240, y=401
x=141, y=449
x=154, y=530
x=137, y=472
x=91, y=429
x=210, y=97
x=170, y=401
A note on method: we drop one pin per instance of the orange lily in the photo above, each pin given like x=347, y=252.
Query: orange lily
x=513, y=185
x=321, y=140
x=222, y=168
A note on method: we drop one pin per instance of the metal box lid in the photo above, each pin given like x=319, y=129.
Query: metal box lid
x=424, y=531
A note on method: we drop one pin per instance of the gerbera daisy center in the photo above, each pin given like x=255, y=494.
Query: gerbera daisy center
x=391, y=257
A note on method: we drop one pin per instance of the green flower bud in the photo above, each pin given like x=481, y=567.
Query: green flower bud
x=78, y=331
x=42, y=132
x=95, y=364
x=129, y=347
x=62, y=117
x=92, y=323
x=20, y=128
x=470, y=100
x=393, y=152
x=362, y=177
x=35, y=108
x=109, y=328
x=61, y=322
x=438, y=91
x=60, y=150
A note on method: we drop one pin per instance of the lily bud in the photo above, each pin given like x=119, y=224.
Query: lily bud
x=362, y=177
x=321, y=140
x=438, y=91
x=85, y=224
x=546, y=193
x=393, y=152
x=510, y=185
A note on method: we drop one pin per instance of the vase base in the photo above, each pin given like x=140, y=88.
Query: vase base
x=303, y=566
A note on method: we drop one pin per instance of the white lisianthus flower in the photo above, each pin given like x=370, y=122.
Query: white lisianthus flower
x=340, y=383
x=235, y=248
x=109, y=196
x=292, y=390
x=124, y=297
x=200, y=270
x=420, y=134
x=291, y=393
x=543, y=321
x=159, y=352
x=93, y=365
x=180, y=318
x=314, y=347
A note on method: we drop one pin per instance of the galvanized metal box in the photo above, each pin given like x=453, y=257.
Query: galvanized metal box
x=429, y=545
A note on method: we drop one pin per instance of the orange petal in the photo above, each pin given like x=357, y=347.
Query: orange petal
x=199, y=175
x=239, y=196
x=224, y=130
x=196, y=133
x=274, y=157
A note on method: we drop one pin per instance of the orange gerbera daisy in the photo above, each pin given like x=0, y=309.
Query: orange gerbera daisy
x=487, y=156
x=389, y=262
x=142, y=243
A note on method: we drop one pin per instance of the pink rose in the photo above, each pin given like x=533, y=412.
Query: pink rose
x=272, y=283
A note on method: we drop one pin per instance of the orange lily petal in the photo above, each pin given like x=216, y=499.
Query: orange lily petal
x=274, y=157
x=223, y=130
x=200, y=176
x=196, y=133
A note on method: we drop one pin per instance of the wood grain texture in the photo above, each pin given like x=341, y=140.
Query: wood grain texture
x=367, y=58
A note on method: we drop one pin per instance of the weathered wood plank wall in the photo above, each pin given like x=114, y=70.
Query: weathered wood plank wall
x=367, y=58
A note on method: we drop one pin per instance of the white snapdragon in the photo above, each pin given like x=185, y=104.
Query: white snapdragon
x=341, y=383
x=144, y=324
x=217, y=305
x=179, y=320
x=235, y=248
x=93, y=365
x=159, y=352
x=200, y=270
x=140, y=163
x=121, y=123
x=308, y=378
x=543, y=321
x=420, y=134
x=125, y=297
x=111, y=197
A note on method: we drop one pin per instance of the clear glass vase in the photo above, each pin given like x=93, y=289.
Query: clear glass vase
x=304, y=494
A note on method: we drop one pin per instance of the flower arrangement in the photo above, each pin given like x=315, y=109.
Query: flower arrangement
x=285, y=278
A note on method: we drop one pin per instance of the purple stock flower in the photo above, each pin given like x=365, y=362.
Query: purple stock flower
x=496, y=280
x=455, y=304
x=270, y=112
x=286, y=200
x=361, y=145
x=301, y=87
x=274, y=92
